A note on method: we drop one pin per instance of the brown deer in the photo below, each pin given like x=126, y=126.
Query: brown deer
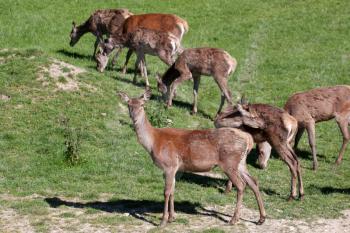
x=267, y=124
x=142, y=41
x=193, y=63
x=175, y=150
x=166, y=23
x=100, y=23
x=321, y=104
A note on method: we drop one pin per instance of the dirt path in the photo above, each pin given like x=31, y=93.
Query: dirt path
x=140, y=221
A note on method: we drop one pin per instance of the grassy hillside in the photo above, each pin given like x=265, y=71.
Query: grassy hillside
x=281, y=47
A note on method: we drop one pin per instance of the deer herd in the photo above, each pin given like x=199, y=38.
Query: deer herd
x=237, y=128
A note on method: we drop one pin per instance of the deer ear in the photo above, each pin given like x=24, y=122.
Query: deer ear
x=243, y=100
x=73, y=23
x=147, y=95
x=123, y=96
x=243, y=111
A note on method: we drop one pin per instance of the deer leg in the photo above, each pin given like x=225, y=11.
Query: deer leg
x=298, y=137
x=240, y=185
x=99, y=39
x=228, y=187
x=115, y=57
x=127, y=58
x=225, y=92
x=253, y=185
x=144, y=67
x=196, y=81
x=171, y=204
x=292, y=163
x=300, y=180
x=168, y=189
x=137, y=64
x=343, y=123
x=310, y=128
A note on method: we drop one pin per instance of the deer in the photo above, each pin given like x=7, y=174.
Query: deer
x=268, y=125
x=317, y=105
x=165, y=23
x=100, y=23
x=173, y=150
x=191, y=64
x=142, y=41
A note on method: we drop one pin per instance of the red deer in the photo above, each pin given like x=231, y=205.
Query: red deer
x=100, y=23
x=142, y=41
x=175, y=150
x=166, y=23
x=267, y=124
x=193, y=63
x=321, y=104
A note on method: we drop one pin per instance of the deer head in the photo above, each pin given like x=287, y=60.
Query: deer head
x=135, y=105
x=162, y=88
x=239, y=116
x=74, y=35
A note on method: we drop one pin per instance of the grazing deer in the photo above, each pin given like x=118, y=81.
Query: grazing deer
x=165, y=23
x=193, y=63
x=175, y=150
x=100, y=23
x=321, y=104
x=267, y=124
x=142, y=41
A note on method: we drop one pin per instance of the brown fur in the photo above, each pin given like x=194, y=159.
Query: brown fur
x=100, y=23
x=175, y=150
x=142, y=41
x=271, y=124
x=166, y=23
x=193, y=63
x=321, y=104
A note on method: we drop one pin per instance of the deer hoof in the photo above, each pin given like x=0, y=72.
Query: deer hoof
x=163, y=223
x=233, y=221
x=171, y=219
x=261, y=220
x=193, y=112
x=291, y=198
x=301, y=197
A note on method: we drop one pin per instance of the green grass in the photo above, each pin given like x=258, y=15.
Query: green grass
x=281, y=46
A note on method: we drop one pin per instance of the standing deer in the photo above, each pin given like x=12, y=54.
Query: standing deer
x=193, y=63
x=267, y=124
x=175, y=150
x=321, y=104
x=142, y=41
x=100, y=23
x=165, y=23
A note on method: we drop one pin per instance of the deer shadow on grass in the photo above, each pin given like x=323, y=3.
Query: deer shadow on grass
x=139, y=209
x=327, y=190
x=306, y=154
x=75, y=55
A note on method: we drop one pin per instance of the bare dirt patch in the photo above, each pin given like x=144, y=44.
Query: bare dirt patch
x=64, y=76
x=11, y=222
x=4, y=97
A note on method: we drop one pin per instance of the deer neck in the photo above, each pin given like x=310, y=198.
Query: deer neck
x=144, y=130
x=83, y=28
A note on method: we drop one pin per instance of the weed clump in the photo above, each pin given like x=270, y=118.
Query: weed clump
x=72, y=142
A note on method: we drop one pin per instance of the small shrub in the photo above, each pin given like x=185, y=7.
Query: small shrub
x=72, y=142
